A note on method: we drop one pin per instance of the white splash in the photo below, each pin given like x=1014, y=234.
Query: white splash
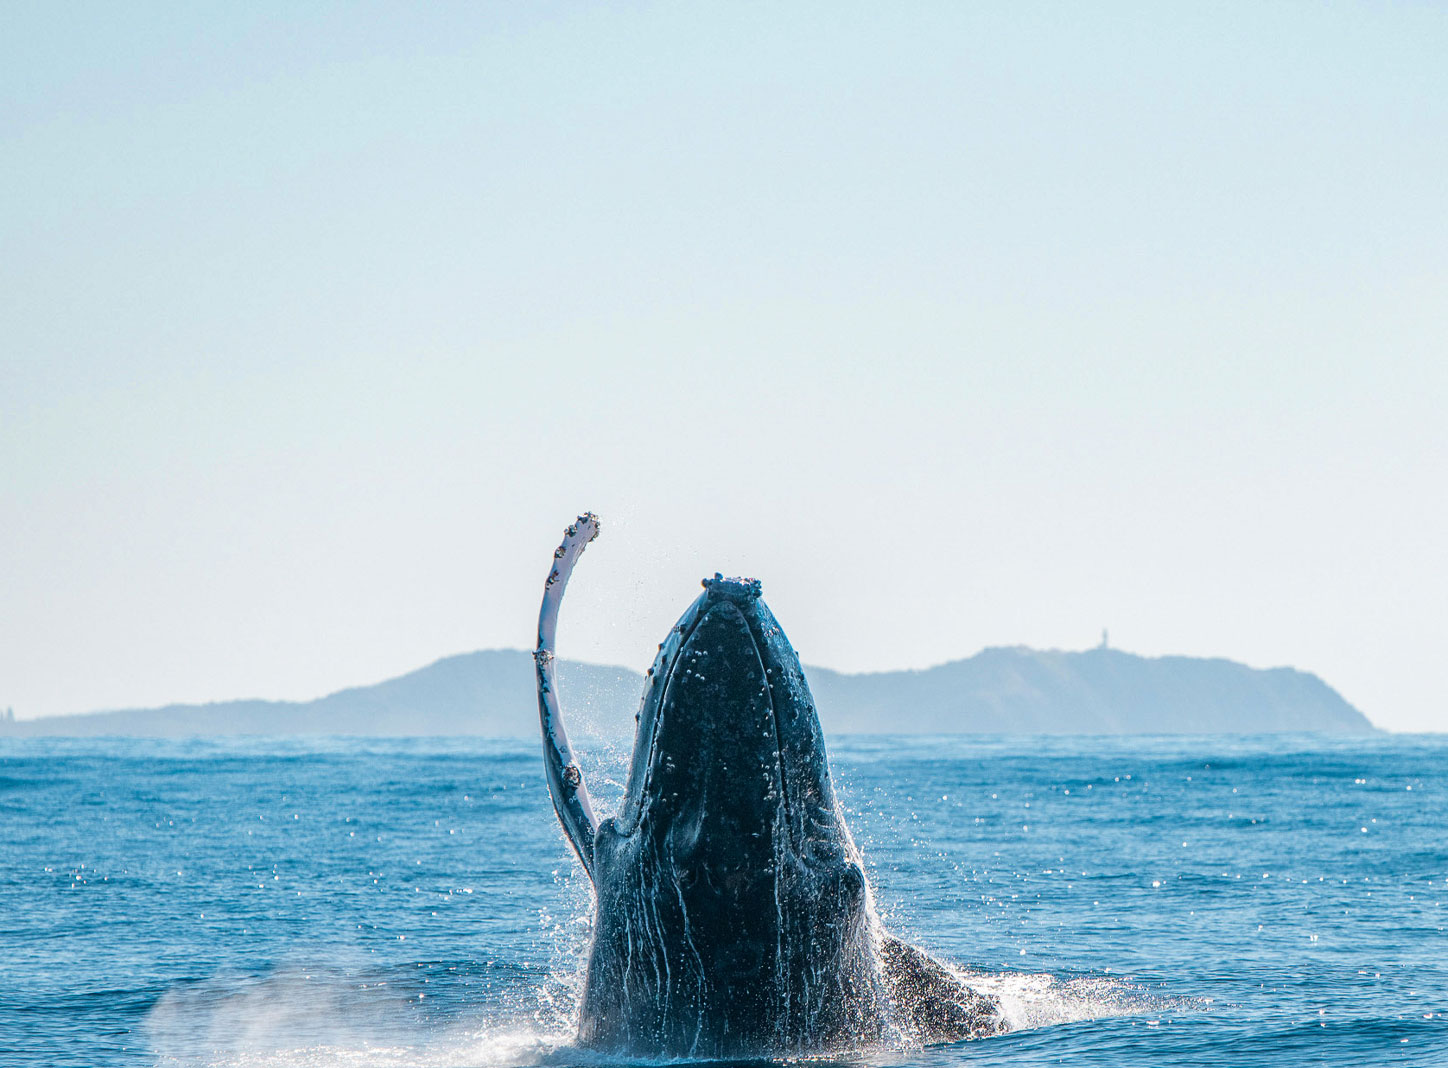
x=312, y=1018
x=1030, y=1000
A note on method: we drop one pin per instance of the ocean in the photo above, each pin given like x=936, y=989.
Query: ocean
x=1133, y=901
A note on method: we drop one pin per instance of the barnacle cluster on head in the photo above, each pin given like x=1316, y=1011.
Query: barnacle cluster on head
x=742, y=591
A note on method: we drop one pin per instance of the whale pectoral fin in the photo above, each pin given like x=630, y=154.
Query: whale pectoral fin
x=932, y=1002
x=565, y=778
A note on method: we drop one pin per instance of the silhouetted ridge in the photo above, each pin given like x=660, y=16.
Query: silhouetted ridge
x=1100, y=691
x=1011, y=690
x=488, y=692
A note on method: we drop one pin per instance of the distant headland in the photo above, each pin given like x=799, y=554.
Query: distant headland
x=1011, y=690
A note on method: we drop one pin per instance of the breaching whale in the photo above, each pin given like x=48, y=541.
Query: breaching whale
x=732, y=915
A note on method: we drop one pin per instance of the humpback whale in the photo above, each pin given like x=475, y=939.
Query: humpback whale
x=732, y=914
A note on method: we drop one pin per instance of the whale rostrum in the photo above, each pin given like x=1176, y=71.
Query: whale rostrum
x=732, y=913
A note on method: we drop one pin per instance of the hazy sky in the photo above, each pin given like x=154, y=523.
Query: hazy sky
x=958, y=325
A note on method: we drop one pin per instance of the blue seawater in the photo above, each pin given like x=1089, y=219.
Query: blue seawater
x=1159, y=901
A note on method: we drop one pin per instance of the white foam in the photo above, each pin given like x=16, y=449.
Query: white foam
x=1030, y=1000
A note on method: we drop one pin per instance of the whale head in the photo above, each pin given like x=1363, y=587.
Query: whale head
x=732, y=913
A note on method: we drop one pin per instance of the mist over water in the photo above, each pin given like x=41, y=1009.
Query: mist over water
x=351, y=902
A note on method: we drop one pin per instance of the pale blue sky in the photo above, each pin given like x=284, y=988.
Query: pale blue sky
x=958, y=325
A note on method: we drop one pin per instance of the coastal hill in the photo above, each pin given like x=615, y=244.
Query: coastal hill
x=1101, y=691
x=1012, y=690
